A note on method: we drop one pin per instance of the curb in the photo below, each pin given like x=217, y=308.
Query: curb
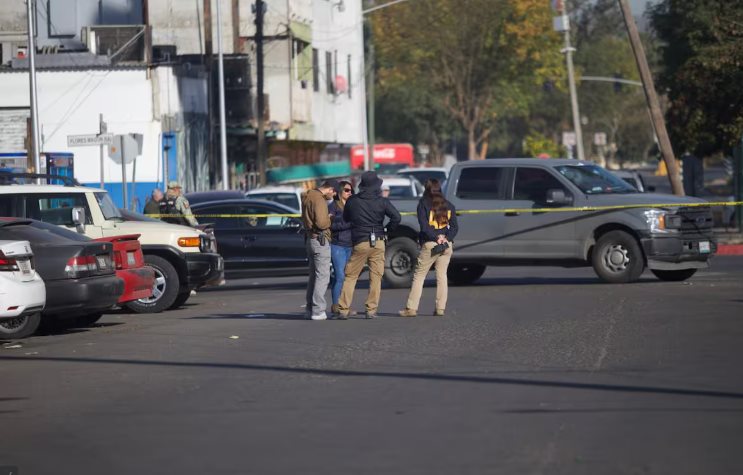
x=729, y=250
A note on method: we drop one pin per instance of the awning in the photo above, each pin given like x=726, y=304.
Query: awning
x=299, y=173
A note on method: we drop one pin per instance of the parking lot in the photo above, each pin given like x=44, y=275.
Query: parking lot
x=534, y=370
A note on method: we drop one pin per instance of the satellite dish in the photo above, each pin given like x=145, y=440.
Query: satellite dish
x=341, y=85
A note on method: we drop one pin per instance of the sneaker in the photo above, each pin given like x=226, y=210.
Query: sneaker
x=439, y=312
x=370, y=315
x=321, y=316
x=342, y=316
x=334, y=309
x=408, y=312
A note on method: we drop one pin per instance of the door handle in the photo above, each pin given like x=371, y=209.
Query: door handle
x=248, y=238
x=512, y=213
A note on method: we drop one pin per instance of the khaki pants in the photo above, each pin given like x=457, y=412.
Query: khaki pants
x=425, y=261
x=363, y=253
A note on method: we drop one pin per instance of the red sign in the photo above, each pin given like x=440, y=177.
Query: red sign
x=399, y=153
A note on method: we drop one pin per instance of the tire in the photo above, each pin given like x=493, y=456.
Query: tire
x=617, y=258
x=87, y=320
x=674, y=275
x=464, y=274
x=165, y=291
x=180, y=299
x=19, y=327
x=399, y=262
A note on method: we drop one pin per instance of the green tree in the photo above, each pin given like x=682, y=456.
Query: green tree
x=477, y=60
x=703, y=71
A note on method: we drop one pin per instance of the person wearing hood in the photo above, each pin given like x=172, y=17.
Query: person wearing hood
x=317, y=223
x=366, y=211
x=341, y=244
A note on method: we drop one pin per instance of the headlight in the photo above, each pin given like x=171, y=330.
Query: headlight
x=660, y=221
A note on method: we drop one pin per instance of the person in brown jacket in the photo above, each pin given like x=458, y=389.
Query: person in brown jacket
x=316, y=221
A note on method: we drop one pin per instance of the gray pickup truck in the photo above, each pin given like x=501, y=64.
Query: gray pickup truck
x=673, y=241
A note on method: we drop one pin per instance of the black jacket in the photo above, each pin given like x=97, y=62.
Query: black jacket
x=366, y=212
x=340, y=228
x=428, y=231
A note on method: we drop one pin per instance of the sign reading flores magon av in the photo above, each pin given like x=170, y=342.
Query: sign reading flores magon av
x=89, y=140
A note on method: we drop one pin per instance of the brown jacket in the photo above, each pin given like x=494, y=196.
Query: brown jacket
x=315, y=214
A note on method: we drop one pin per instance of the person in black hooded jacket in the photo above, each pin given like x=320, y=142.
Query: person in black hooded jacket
x=366, y=211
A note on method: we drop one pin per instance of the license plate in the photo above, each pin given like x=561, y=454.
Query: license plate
x=101, y=262
x=704, y=247
x=25, y=266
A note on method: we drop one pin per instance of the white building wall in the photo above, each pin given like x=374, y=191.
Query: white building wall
x=338, y=118
x=181, y=23
x=70, y=103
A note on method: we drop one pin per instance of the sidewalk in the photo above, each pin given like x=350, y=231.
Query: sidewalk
x=729, y=243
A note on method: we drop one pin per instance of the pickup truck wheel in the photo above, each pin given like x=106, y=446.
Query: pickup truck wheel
x=19, y=327
x=165, y=290
x=181, y=299
x=400, y=258
x=674, y=275
x=464, y=274
x=617, y=258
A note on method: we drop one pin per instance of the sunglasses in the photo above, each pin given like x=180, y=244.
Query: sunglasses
x=347, y=190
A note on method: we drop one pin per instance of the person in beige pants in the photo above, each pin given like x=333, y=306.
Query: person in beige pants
x=437, y=219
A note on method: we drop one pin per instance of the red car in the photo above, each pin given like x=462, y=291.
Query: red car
x=139, y=280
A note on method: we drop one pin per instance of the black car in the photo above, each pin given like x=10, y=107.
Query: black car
x=270, y=244
x=79, y=273
x=216, y=195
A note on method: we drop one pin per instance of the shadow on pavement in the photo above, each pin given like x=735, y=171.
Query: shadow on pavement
x=451, y=378
x=249, y=316
x=617, y=410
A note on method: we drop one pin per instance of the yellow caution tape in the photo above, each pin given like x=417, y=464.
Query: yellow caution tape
x=487, y=211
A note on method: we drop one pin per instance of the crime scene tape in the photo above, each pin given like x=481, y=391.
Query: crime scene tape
x=488, y=211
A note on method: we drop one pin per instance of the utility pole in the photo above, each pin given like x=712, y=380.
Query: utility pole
x=222, y=115
x=102, y=129
x=568, y=50
x=35, y=136
x=261, y=143
x=372, y=98
x=656, y=114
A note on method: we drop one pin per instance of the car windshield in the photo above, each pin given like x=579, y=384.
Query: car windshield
x=108, y=208
x=594, y=180
x=397, y=191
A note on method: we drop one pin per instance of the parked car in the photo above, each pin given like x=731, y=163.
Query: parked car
x=181, y=256
x=285, y=195
x=673, y=241
x=422, y=174
x=267, y=245
x=139, y=279
x=22, y=291
x=634, y=178
x=79, y=273
x=403, y=188
x=217, y=195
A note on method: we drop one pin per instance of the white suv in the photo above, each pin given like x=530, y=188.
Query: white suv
x=184, y=258
x=22, y=292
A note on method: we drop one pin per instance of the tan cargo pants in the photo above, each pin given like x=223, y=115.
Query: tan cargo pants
x=363, y=253
x=425, y=261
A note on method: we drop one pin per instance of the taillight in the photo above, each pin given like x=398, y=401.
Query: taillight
x=7, y=264
x=80, y=266
x=118, y=261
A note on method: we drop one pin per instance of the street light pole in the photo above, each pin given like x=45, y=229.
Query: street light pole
x=222, y=115
x=35, y=137
x=568, y=50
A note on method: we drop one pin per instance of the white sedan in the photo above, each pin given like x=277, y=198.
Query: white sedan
x=22, y=291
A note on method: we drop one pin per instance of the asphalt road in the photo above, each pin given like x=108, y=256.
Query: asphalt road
x=534, y=370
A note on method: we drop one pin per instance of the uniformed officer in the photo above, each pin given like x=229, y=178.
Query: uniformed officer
x=176, y=203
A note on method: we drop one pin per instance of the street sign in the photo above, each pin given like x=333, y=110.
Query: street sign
x=130, y=144
x=89, y=140
x=599, y=139
x=569, y=139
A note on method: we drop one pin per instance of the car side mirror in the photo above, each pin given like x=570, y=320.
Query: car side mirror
x=78, y=218
x=557, y=197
